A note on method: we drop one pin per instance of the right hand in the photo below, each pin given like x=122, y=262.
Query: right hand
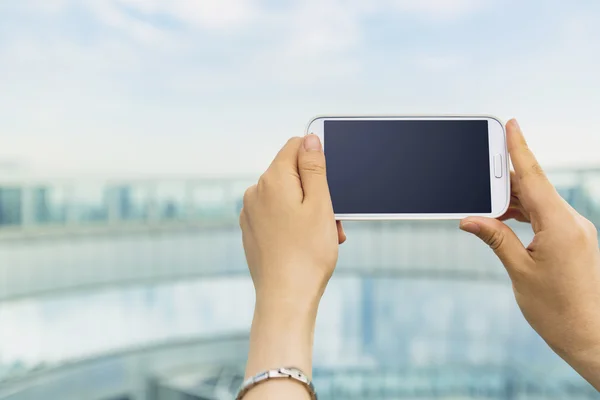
x=556, y=279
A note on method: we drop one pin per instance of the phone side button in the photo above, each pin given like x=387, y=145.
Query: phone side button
x=498, y=165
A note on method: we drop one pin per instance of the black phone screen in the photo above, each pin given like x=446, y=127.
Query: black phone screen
x=408, y=166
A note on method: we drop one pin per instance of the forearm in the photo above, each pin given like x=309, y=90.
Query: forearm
x=281, y=336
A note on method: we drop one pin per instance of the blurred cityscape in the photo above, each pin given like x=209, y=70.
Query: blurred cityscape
x=138, y=289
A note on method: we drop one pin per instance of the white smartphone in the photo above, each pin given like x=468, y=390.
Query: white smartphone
x=425, y=167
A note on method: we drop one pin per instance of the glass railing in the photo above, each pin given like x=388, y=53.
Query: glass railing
x=397, y=321
x=381, y=338
x=89, y=202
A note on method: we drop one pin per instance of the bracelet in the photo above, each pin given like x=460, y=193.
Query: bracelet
x=279, y=373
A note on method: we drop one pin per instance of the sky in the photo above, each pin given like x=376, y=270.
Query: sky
x=178, y=87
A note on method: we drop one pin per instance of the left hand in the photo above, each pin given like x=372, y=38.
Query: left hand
x=291, y=241
x=289, y=231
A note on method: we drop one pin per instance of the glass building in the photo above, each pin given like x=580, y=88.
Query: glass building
x=138, y=290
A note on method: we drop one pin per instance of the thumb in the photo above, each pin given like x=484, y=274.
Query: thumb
x=501, y=239
x=311, y=166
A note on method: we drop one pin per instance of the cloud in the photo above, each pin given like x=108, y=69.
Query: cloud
x=581, y=31
x=113, y=16
x=141, y=19
x=315, y=40
x=40, y=6
x=80, y=75
x=209, y=14
x=440, y=9
x=440, y=63
x=294, y=43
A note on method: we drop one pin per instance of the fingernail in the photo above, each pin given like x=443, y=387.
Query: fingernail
x=470, y=227
x=312, y=143
x=516, y=123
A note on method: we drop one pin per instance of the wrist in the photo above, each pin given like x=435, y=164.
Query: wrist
x=577, y=338
x=293, y=321
x=580, y=354
x=289, y=301
x=281, y=336
x=586, y=362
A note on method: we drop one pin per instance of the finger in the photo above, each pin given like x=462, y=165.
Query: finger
x=341, y=233
x=514, y=213
x=515, y=208
x=288, y=155
x=249, y=197
x=515, y=187
x=537, y=193
x=242, y=219
x=282, y=175
x=247, y=204
x=502, y=240
x=311, y=166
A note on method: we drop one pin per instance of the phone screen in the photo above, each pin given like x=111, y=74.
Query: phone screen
x=408, y=166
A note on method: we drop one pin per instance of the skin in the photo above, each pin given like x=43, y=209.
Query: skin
x=291, y=241
x=556, y=278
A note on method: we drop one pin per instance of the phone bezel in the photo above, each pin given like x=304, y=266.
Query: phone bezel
x=500, y=187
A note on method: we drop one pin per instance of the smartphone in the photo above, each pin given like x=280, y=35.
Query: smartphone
x=426, y=167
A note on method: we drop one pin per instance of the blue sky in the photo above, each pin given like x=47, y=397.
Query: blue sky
x=216, y=87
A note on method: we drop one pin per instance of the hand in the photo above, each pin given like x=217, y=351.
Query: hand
x=556, y=279
x=291, y=242
x=289, y=231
